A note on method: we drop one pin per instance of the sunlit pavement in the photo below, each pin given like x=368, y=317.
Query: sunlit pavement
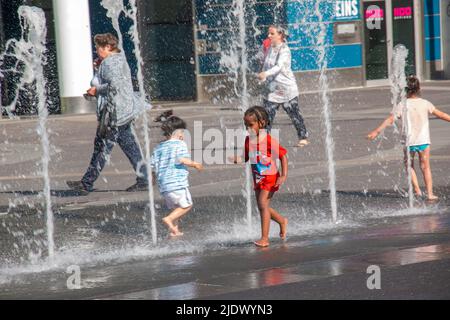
x=106, y=234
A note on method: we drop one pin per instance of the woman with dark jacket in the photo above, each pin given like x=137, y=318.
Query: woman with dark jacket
x=115, y=92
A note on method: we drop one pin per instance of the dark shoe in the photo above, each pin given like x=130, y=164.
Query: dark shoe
x=163, y=116
x=138, y=186
x=78, y=186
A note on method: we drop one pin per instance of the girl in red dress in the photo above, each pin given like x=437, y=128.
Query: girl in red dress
x=262, y=150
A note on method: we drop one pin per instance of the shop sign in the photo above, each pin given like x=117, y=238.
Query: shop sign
x=374, y=13
x=374, y=16
x=403, y=13
x=346, y=9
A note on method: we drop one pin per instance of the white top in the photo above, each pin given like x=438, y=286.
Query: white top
x=417, y=113
x=281, y=83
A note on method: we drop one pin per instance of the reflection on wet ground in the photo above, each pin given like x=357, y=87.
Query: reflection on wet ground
x=204, y=288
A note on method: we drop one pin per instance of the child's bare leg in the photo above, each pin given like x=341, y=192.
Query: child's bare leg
x=282, y=222
x=414, y=180
x=173, y=217
x=262, y=197
x=424, y=157
x=278, y=218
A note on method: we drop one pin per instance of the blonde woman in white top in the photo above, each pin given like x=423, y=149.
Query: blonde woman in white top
x=417, y=137
x=280, y=82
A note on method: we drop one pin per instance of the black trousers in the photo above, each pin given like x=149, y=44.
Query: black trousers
x=125, y=137
x=292, y=109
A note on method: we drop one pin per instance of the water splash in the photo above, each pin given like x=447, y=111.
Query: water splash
x=278, y=17
x=146, y=128
x=397, y=81
x=29, y=54
x=19, y=57
x=326, y=105
x=234, y=61
x=114, y=9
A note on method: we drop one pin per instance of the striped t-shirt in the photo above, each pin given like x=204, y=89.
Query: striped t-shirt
x=170, y=173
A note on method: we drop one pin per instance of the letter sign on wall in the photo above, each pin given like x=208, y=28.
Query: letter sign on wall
x=346, y=10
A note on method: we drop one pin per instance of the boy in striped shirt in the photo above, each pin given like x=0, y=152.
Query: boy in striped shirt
x=170, y=160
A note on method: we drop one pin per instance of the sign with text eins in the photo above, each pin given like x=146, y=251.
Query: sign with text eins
x=346, y=10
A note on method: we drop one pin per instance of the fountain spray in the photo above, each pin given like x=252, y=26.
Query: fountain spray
x=398, y=85
x=29, y=54
x=235, y=61
x=326, y=111
x=114, y=9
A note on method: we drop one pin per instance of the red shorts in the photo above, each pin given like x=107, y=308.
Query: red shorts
x=265, y=182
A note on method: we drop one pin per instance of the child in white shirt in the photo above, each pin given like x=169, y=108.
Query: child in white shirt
x=417, y=135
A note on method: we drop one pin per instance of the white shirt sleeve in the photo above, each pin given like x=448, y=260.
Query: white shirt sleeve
x=283, y=63
x=430, y=107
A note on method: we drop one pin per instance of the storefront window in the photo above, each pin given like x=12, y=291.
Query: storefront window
x=375, y=40
x=403, y=29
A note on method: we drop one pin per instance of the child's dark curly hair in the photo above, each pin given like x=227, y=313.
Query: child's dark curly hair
x=260, y=115
x=171, y=124
x=412, y=86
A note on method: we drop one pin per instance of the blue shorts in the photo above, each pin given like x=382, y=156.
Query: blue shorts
x=419, y=148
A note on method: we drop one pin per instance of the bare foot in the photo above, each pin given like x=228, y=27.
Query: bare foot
x=261, y=243
x=302, y=143
x=283, y=229
x=170, y=225
x=432, y=198
x=418, y=193
x=176, y=232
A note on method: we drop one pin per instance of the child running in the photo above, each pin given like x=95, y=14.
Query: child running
x=418, y=139
x=262, y=150
x=169, y=160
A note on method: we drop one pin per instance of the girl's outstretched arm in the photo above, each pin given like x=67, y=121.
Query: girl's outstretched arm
x=387, y=122
x=441, y=115
x=284, y=171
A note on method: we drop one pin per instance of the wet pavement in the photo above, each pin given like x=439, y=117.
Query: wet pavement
x=106, y=234
x=412, y=252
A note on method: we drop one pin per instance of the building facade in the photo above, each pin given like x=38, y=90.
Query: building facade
x=196, y=49
x=359, y=38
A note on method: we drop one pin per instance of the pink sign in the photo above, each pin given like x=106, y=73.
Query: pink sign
x=375, y=14
x=402, y=12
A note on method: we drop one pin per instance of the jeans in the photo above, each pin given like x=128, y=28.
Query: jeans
x=292, y=109
x=126, y=138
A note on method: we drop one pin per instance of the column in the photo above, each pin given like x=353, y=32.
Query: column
x=419, y=38
x=445, y=37
x=74, y=54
